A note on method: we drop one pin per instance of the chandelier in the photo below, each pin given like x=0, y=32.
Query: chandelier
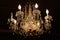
x=30, y=22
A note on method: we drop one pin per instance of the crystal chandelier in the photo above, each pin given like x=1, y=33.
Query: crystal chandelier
x=30, y=22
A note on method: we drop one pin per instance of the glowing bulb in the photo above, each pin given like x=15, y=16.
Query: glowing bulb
x=11, y=15
x=36, y=5
x=15, y=21
x=19, y=7
x=47, y=11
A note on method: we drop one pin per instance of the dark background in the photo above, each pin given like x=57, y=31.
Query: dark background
x=8, y=6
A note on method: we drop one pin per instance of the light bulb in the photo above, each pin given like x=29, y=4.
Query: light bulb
x=47, y=11
x=19, y=7
x=36, y=5
x=15, y=21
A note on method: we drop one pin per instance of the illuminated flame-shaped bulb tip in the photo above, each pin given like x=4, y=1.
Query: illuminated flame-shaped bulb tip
x=47, y=11
x=19, y=7
x=15, y=21
x=36, y=5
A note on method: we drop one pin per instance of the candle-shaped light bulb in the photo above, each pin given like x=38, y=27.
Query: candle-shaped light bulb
x=15, y=21
x=19, y=7
x=11, y=15
x=47, y=12
x=36, y=5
